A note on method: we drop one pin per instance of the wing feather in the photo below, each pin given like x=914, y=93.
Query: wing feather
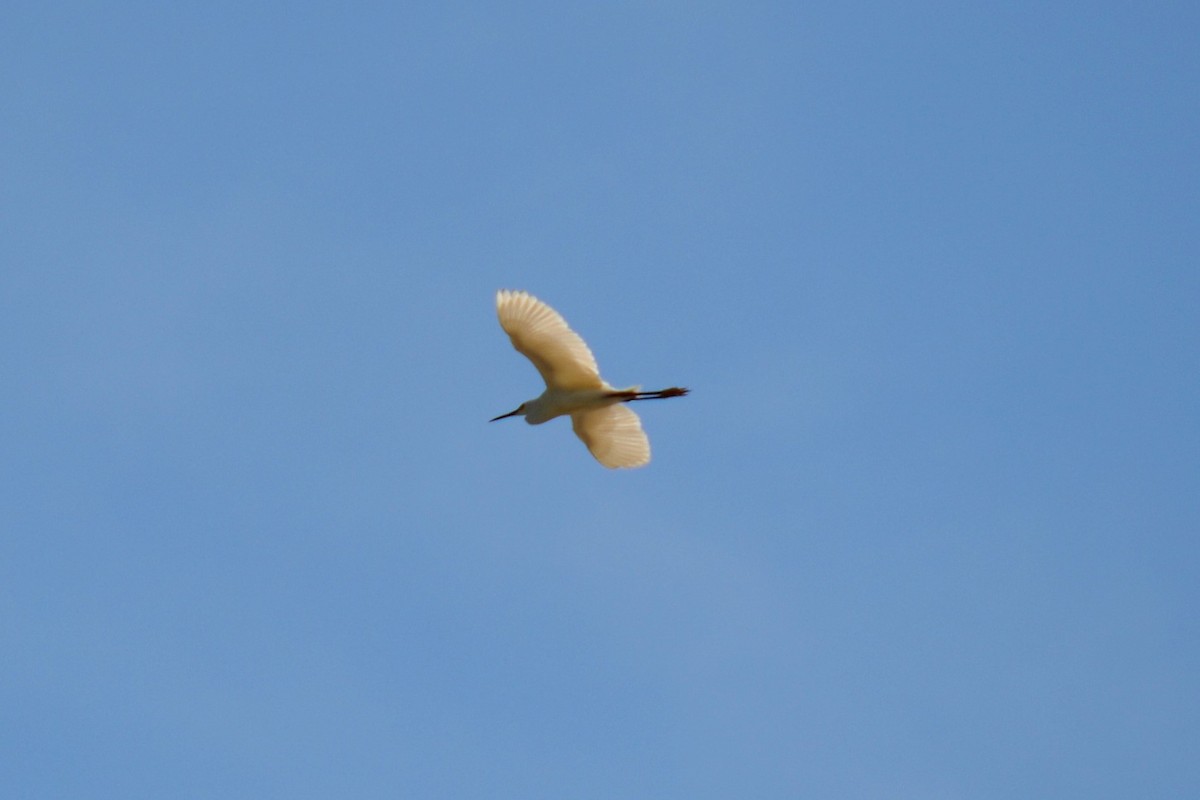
x=614, y=435
x=539, y=333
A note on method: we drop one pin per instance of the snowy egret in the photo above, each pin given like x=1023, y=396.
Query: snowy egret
x=612, y=431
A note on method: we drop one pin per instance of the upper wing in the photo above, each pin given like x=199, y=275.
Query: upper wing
x=614, y=435
x=540, y=334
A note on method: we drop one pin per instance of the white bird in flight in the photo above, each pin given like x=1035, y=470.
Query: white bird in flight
x=610, y=429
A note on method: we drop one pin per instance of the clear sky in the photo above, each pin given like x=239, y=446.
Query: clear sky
x=927, y=526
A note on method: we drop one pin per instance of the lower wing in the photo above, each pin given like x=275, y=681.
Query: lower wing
x=614, y=435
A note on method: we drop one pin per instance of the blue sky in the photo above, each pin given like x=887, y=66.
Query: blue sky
x=926, y=527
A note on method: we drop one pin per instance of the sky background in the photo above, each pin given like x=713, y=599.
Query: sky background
x=925, y=528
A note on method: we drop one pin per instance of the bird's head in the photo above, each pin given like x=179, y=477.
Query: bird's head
x=520, y=410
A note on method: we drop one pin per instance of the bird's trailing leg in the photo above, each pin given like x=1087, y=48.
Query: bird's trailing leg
x=661, y=394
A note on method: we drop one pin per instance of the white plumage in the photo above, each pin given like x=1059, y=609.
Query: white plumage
x=599, y=414
x=614, y=435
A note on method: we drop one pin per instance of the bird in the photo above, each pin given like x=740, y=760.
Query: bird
x=599, y=412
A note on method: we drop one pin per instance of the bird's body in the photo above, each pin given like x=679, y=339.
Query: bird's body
x=558, y=402
x=612, y=431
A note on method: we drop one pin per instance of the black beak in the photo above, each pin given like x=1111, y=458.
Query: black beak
x=502, y=416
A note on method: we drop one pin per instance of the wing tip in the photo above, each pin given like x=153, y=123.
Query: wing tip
x=636, y=463
x=509, y=295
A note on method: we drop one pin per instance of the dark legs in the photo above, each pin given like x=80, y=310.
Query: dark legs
x=662, y=394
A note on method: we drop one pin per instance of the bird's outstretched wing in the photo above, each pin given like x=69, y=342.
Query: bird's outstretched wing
x=614, y=435
x=539, y=333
